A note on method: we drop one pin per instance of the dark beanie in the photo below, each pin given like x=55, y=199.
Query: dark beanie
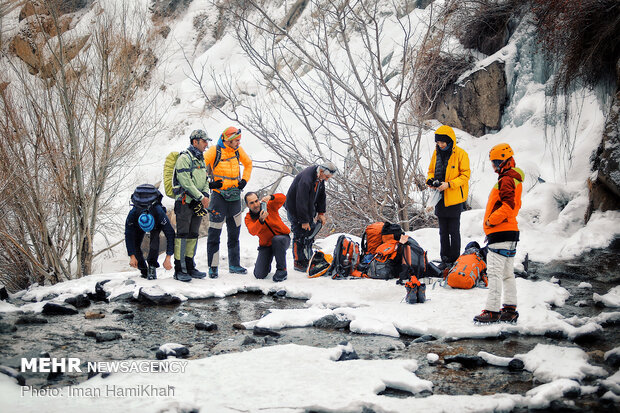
x=443, y=138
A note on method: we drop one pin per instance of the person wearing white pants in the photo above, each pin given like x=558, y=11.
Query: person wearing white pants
x=500, y=226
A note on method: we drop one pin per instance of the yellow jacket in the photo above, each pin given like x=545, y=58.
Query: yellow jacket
x=457, y=175
x=228, y=169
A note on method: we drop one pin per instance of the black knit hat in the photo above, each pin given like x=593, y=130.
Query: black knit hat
x=443, y=138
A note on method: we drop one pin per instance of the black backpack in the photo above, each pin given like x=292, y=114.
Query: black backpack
x=145, y=196
x=415, y=262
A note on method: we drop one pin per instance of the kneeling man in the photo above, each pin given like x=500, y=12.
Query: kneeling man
x=264, y=221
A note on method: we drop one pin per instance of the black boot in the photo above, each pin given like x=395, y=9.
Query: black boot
x=179, y=274
x=191, y=269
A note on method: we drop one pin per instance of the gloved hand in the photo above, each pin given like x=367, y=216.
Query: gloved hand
x=242, y=184
x=199, y=210
x=430, y=181
x=216, y=184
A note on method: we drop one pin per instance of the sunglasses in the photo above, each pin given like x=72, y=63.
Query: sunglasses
x=497, y=163
x=234, y=135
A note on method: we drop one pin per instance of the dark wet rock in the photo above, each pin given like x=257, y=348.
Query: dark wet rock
x=30, y=319
x=100, y=293
x=556, y=335
x=21, y=380
x=126, y=296
x=238, y=326
x=573, y=393
x=122, y=309
x=58, y=309
x=613, y=360
x=206, y=326
x=332, y=321
x=4, y=294
x=280, y=293
x=589, y=337
x=171, y=350
x=561, y=407
x=466, y=361
x=90, y=333
x=112, y=328
x=270, y=340
x=155, y=295
x=79, y=301
x=129, y=316
x=247, y=340
x=260, y=331
x=6, y=328
x=105, y=374
x=516, y=365
x=107, y=336
x=424, y=339
x=49, y=297
x=348, y=353
x=129, y=282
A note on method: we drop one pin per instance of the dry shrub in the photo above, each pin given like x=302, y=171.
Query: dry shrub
x=582, y=36
x=483, y=24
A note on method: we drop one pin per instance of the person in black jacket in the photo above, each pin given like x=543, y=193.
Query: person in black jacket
x=152, y=219
x=305, y=203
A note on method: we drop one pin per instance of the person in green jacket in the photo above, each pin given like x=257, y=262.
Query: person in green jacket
x=190, y=206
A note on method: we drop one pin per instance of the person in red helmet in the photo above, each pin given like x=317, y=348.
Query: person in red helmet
x=502, y=231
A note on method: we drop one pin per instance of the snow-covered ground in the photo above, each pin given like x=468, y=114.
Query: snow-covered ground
x=288, y=378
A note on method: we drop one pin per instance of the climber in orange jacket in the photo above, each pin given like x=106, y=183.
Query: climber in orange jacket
x=264, y=221
x=500, y=226
x=222, y=161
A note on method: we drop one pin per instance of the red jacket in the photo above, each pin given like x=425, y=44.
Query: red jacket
x=503, y=205
x=273, y=225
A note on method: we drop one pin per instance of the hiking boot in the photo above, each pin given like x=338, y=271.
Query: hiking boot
x=509, y=314
x=182, y=276
x=237, y=269
x=144, y=272
x=421, y=293
x=280, y=275
x=487, y=317
x=300, y=266
x=194, y=273
x=412, y=294
x=212, y=272
x=151, y=273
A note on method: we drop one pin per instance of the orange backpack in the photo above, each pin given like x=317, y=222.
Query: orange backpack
x=371, y=238
x=468, y=271
x=345, y=259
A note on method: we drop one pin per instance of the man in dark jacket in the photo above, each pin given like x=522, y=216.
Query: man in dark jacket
x=305, y=202
x=264, y=221
x=152, y=219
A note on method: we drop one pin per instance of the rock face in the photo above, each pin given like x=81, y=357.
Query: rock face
x=476, y=104
x=605, y=189
x=58, y=309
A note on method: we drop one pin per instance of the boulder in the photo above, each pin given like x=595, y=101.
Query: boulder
x=348, y=353
x=260, y=331
x=516, y=365
x=206, y=326
x=79, y=301
x=4, y=294
x=476, y=103
x=122, y=309
x=424, y=339
x=171, y=349
x=92, y=315
x=6, y=328
x=100, y=294
x=332, y=321
x=155, y=295
x=58, y=309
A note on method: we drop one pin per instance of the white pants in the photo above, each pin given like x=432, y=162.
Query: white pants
x=500, y=271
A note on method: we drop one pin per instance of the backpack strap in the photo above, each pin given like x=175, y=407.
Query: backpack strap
x=218, y=159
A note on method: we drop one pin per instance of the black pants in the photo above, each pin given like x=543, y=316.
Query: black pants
x=450, y=238
x=277, y=249
x=153, y=250
x=221, y=211
x=300, y=239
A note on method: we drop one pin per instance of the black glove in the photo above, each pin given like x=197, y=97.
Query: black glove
x=430, y=182
x=199, y=210
x=242, y=184
x=216, y=184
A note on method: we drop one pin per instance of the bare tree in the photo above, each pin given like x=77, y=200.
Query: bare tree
x=72, y=117
x=338, y=87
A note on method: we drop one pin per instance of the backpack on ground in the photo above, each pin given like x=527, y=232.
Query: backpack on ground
x=384, y=265
x=346, y=258
x=145, y=196
x=469, y=270
x=376, y=234
x=319, y=264
x=415, y=262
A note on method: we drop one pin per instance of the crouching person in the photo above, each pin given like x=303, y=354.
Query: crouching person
x=264, y=221
x=500, y=226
